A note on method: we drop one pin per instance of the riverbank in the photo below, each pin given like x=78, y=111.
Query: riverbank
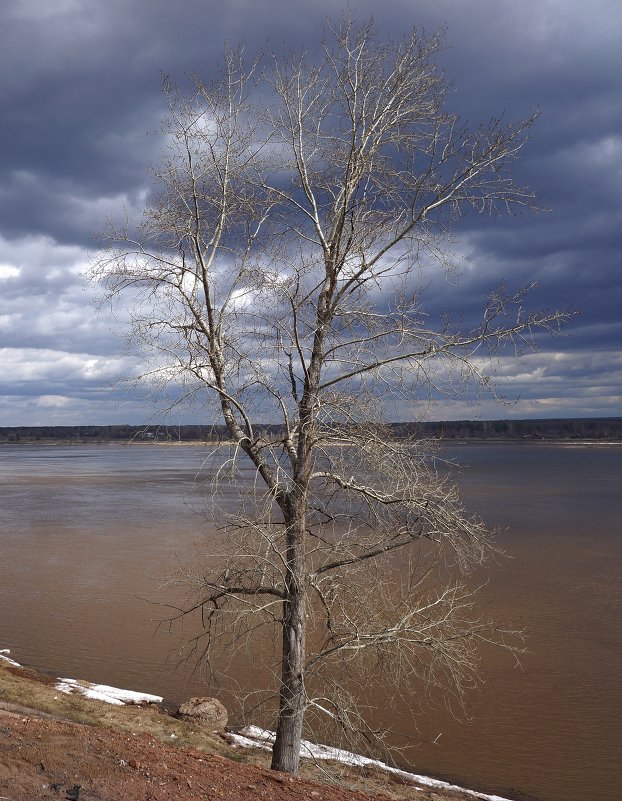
x=52, y=741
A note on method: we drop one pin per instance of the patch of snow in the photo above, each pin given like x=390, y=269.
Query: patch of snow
x=8, y=659
x=103, y=692
x=127, y=696
x=68, y=686
x=254, y=737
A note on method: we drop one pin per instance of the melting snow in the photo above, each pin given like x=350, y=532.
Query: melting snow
x=102, y=692
x=3, y=653
x=254, y=737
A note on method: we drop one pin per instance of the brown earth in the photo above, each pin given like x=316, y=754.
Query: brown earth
x=44, y=759
x=127, y=754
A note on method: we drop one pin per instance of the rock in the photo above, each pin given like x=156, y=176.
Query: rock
x=209, y=712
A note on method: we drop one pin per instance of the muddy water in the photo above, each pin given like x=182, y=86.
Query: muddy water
x=90, y=535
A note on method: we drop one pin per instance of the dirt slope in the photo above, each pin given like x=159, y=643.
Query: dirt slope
x=45, y=759
x=54, y=746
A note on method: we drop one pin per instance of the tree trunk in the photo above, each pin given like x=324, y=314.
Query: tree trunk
x=292, y=700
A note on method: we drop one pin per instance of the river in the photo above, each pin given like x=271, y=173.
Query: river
x=89, y=536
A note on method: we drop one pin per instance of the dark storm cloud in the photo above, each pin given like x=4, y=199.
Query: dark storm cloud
x=80, y=86
x=80, y=102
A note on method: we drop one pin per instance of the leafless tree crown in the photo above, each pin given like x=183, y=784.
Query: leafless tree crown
x=276, y=277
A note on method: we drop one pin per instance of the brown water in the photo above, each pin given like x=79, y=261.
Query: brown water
x=84, y=531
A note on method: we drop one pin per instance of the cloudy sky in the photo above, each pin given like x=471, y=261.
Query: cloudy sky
x=80, y=91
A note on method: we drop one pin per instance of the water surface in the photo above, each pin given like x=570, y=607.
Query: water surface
x=89, y=536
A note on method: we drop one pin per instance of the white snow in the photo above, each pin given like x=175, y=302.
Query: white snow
x=103, y=692
x=254, y=737
x=8, y=659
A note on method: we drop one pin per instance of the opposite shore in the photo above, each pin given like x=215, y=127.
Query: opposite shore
x=571, y=430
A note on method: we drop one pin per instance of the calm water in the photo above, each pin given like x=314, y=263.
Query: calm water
x=88, y=536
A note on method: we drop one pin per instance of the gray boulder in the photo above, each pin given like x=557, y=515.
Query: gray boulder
x=209, y=713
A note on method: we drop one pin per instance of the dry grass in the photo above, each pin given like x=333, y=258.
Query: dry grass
x=34, y=691
x=27, y=692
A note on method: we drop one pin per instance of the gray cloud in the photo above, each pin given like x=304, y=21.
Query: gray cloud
x=80, y=107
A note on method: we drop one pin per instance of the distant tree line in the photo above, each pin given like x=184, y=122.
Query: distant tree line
x=601, y=428
x=113, y=433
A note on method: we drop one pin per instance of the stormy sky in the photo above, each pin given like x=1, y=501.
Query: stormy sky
x=80, y=95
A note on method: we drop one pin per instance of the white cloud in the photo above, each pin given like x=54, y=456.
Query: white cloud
x=29, y=255
x=53, y=401
x=19, y=366
x=57, y=353
x=50, y=410
x=8, y=271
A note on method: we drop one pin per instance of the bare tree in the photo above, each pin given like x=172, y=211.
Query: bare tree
x=276, y=275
